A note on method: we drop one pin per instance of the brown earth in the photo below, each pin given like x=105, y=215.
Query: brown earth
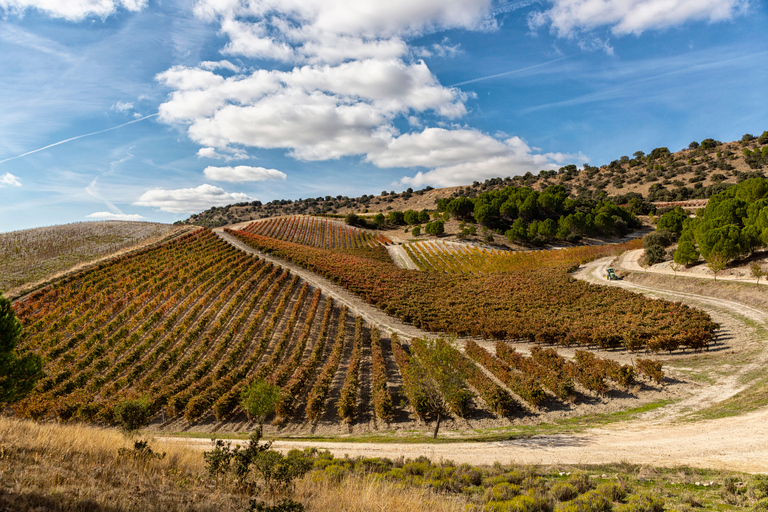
x=661, y=436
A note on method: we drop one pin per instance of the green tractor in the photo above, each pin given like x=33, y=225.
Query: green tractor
x=612, y=274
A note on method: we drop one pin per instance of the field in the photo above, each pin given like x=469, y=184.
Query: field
x=34, y=254
x=535, y=299
x=186, y=327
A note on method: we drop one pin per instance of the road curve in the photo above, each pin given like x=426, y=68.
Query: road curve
x=735, y=443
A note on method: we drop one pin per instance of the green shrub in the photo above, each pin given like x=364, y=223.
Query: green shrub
x=612, y=491
x=642, y=503
x=580, y=480
x=590, y=501
x=522, y=503
x=563, y=491
x=131, y=415
x=501, y=492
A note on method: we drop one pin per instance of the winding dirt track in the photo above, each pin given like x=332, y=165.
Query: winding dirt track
x=736, y=443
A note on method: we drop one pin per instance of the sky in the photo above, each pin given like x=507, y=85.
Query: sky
x=153, y=110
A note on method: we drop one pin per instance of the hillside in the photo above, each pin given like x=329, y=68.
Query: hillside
x=34, y=255
x=699, y=171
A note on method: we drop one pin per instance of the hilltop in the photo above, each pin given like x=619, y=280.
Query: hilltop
x=696, y=172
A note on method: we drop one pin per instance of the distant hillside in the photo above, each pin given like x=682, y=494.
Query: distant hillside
x=697, y=172
x=31, y=255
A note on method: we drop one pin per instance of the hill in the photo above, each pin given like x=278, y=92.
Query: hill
x=699, y=171
x=30, y=257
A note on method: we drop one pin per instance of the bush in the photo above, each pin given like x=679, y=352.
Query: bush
x=501, y=492
x=416, y=231
x=642, y=503
x=259, y=399
x=650, y=368
x=131, y=415
x=662, y=237
x=590, y=501
x=654, y=254
x=563, y=491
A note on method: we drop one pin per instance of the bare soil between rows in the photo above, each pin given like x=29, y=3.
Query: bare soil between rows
x=657, y=437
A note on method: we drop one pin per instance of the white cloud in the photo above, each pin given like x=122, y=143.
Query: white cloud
x=115, y=216
x=335, y=30
x=315, y=112
x=189, y=200
x=222, y=64
x=122, y=106
x=567, y=17
x=9, y=180
x=225, y=153
x=242, y=173
x=73, y=10
x=460, y=156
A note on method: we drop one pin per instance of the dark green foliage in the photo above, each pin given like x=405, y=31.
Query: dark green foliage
x=436, y=228
x=673, y=220
x=662, y=237
x=686, y=253
x=396, y=218
x=352, y=219
x=133, y=414
x=18, y=372
x=654, y=254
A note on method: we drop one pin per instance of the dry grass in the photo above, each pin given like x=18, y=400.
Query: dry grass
x=75, y=467
x=34, y=254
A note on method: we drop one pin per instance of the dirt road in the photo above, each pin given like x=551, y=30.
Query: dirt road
x=656, y=438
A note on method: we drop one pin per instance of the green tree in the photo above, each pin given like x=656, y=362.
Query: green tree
x=461, y=208
x=416, y=231
x=19, y=372
x=654, y=254
x=379, y=219
x=396, y=218
x=436, y=228
x=259, y=399
x=686, y=253
x=673, y=220
x=131, y=415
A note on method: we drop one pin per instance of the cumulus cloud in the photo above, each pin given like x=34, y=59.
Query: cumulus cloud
x=73, y=10
x=189, y=200
x=567, y=18
x=9, y=180
x=335, y=30
x=459, y=156
x=242, y=173
x=115, y=216
x=315, y=112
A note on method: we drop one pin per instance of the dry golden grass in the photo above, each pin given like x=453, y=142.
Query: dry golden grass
x=75, y=467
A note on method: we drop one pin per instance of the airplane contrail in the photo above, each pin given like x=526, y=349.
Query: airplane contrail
x=504, y=74
x=78, y=137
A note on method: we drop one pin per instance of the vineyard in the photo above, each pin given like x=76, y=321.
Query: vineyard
x=434, y=256
x=32, y=254
x=316, y=232
x=187, y=326
x=535, y=299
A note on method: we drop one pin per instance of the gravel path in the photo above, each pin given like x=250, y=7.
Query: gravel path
x=735, y=443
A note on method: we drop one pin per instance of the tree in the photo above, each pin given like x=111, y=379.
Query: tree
x=18, y=372
x=396, y=218
x=379, y=219
x=416, y=231
x=352, y=219
x=757, y=272
x=259, y=399
x=436, y=227
x=686, y=253
x=717, y=262
x=131, y=415
x=654, y=254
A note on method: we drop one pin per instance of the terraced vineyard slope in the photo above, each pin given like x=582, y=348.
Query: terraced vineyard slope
x=33, y=254
x=534, y=299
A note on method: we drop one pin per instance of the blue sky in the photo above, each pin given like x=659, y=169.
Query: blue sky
x=152, y=110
